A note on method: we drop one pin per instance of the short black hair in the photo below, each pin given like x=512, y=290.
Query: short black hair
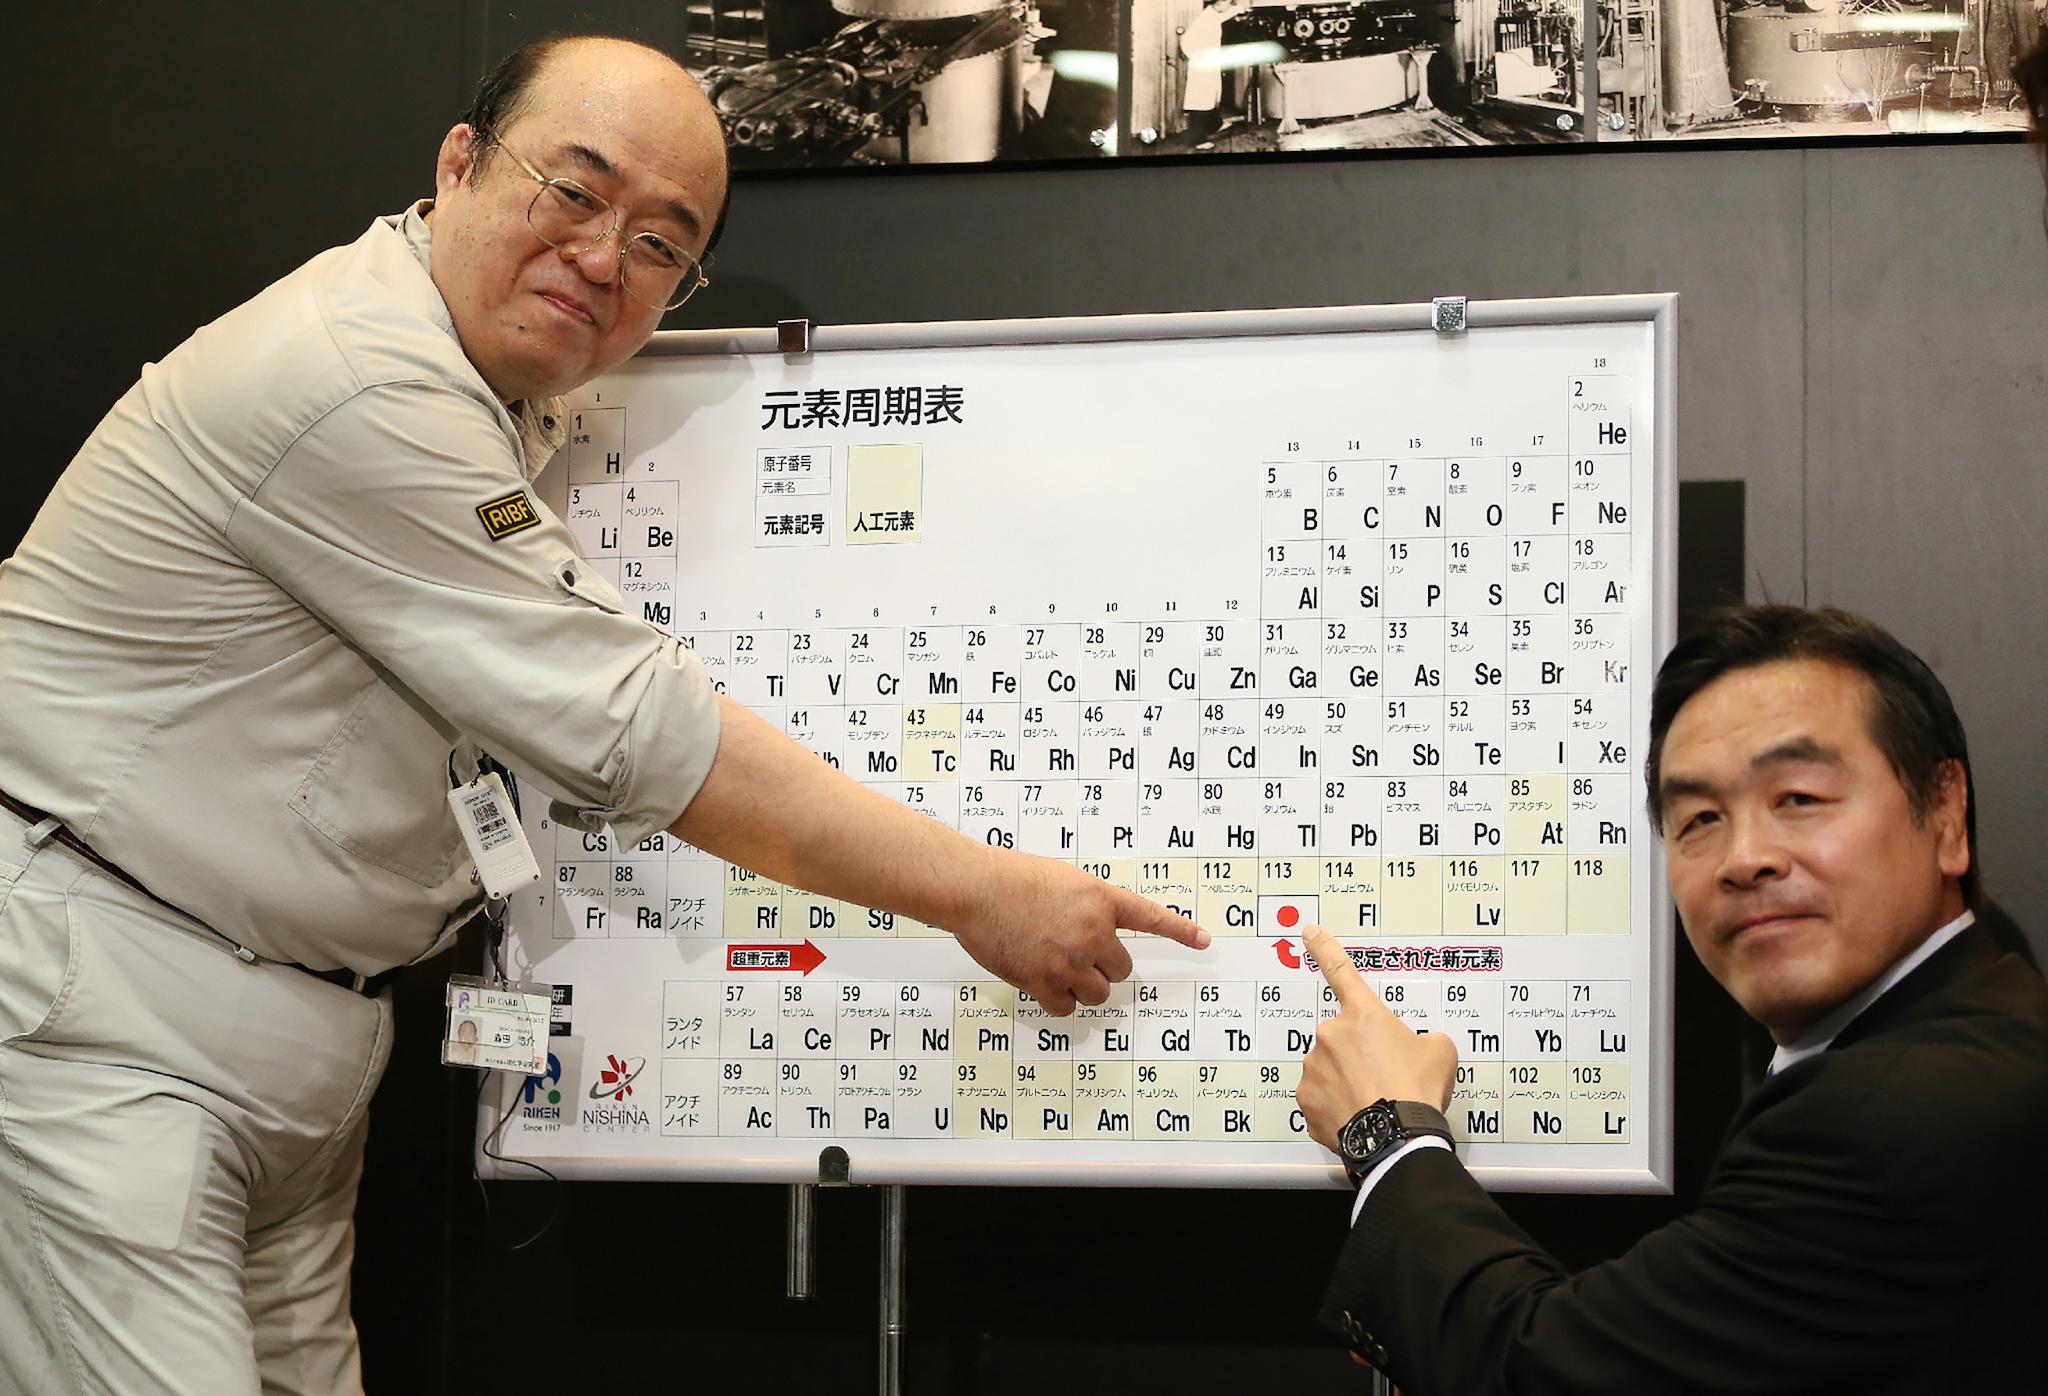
x=503, y=95
x=1912, y=720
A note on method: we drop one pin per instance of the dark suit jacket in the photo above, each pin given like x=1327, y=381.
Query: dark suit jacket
x=1877, y=1221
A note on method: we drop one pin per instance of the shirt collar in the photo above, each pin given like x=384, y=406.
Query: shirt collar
x=542, y=422
x=1821, y=1035
x=412, y=226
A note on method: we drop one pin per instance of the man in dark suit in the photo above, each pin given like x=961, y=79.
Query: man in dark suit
x=1876, y=1219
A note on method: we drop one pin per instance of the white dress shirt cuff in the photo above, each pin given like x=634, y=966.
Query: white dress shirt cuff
x=1379, y=1170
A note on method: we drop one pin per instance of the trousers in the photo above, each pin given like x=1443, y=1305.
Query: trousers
x=181, y=1136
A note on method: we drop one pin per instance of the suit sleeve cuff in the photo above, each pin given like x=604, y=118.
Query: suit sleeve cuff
x=1379, y=1170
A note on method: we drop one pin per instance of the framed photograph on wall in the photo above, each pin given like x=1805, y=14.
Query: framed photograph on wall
x=824, y=84
x=1811, y=69
x=1256, y=76
x=806, y=84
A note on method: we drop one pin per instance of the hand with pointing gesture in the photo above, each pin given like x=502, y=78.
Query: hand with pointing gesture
x=1365, y=1054
x=1051, y=930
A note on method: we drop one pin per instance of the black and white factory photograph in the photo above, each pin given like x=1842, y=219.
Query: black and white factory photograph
x=808, y=84
x=1246, y=76
x=1251, y=76
x=1813, y=69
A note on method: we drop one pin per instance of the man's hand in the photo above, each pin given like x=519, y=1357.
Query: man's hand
x=1365, y=1053
x=1050, y=929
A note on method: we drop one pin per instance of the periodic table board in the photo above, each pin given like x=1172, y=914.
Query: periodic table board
x=1277, y=617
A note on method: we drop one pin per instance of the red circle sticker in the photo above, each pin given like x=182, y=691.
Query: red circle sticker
x=1287, y=916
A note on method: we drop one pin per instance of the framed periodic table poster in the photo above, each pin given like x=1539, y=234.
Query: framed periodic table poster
x=1345, y=616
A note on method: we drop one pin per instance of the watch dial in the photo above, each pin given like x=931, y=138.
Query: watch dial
x=1367, y=1135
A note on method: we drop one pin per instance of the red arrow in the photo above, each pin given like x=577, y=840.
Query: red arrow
x=774, y=956
x=1285, y=951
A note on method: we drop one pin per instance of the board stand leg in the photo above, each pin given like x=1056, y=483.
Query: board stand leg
x=800, y=1277
x=889, y=1376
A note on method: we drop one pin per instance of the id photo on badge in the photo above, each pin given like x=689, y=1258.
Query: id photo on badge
x=461, y=1048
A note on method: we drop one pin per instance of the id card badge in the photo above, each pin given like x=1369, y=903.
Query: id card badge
x=498, y=1027
x=497, y=845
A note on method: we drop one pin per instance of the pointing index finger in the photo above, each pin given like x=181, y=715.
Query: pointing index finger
x=1342, y=976
x=1136, y=913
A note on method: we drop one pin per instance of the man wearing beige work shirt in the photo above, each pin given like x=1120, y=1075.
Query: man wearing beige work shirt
x=256, y=628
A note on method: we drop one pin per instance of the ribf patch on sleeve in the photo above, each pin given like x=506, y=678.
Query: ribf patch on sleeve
x=509, y=515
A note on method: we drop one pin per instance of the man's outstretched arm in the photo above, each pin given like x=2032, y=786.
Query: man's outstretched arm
x=770, y=805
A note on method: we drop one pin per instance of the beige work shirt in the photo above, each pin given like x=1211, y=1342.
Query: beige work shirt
x=263, y=608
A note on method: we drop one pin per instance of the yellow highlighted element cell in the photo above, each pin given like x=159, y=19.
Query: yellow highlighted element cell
x=1044, y=1097
x=1535, y=814
x=1284, y=876
x=1227, y=895
x=866, y=921
x=1475, y=1108
x=806, y=914
x=1170, y=881
x=1351, y=895
x=1117, y=872
x=753, y=905
x=1598, y=894
x=1600, y=1104
x=1276, y=1118
x=1535, y=1102
x=1102, y=1100
x=931, y=741
x=1536, y=895
x=884, y=494
x=1475, y=898
x=1163, y=1101
x=982, y=1106
x=1223, y=1099
x=984, y=1017
x=1412, y=895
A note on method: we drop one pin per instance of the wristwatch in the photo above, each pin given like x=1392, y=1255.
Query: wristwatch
x=1384, y=1126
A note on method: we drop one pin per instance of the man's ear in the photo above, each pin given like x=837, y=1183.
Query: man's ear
x=455, y=160
x=1951, y=819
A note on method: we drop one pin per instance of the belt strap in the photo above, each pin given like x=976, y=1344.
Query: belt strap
x=29, y=814
x=366, y=984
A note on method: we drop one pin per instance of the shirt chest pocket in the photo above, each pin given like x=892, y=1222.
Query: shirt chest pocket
x=378, y=789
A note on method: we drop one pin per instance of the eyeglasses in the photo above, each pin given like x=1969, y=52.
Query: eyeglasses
x=570, y=218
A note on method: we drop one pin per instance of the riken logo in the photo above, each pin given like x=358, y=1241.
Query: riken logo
x=547, y=1102
x=617, y=1112
x=543, y=1095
